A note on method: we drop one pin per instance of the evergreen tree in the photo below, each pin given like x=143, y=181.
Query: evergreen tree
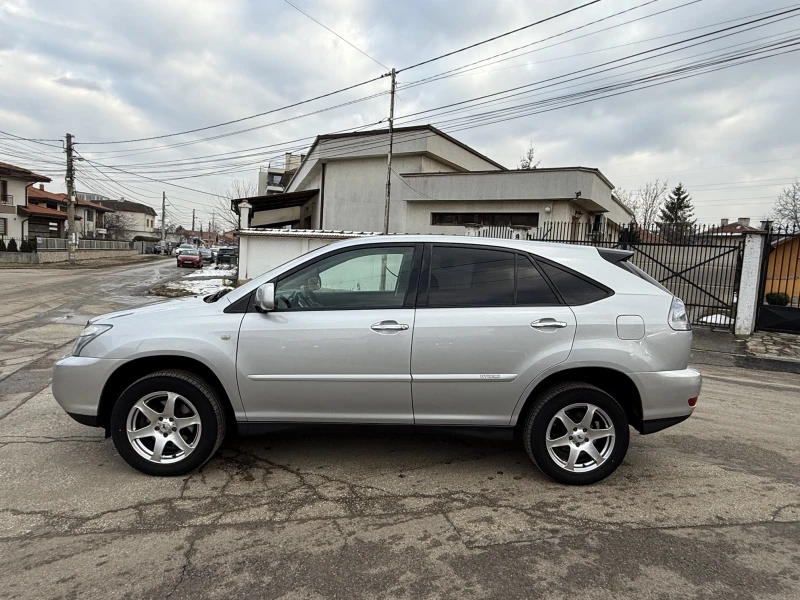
x=677, y=215
x=2, y=245
x=12, y=245
x=678, y=207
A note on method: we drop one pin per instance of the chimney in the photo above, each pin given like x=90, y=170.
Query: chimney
x=723, y=222
x=41, y=186
x=744, y=221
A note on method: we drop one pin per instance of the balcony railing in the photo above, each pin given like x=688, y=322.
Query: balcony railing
x=7, y=199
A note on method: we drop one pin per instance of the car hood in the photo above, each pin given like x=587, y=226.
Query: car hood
x=184, y=305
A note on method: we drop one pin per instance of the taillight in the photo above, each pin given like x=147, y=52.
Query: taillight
x=678, y=319
x=692, y=401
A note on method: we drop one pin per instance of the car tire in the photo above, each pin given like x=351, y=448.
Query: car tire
x=558, y=436
x=143, y=425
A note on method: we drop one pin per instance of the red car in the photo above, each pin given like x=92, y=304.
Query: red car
x=190, y=258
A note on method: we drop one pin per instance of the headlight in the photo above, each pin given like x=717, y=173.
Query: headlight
x=86, y=336
x=678, y=319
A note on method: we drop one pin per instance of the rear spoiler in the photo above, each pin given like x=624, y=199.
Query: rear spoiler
x=615, y=256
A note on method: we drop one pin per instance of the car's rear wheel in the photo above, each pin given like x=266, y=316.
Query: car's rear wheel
x=167, y=423
x=576, y=433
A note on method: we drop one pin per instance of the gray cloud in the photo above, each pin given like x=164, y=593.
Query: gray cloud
x=78, y=82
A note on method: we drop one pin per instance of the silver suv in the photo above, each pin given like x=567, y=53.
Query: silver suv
x=565, y=345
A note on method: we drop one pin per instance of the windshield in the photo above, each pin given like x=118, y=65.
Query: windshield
x=190, y=253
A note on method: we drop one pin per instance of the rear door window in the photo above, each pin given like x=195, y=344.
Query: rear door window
x=532, y=288
x=573, y=288
x=464, y=276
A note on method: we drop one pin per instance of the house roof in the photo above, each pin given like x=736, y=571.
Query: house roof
x=21, y=173
x=273, y=201
x=34, y=210
x=38, y=193
x=431, y=128
x=95, y=206
x=128, y=206
x=734, y=227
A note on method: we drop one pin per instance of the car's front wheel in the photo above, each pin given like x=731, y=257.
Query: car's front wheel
x=576, y=433
x=167, y=423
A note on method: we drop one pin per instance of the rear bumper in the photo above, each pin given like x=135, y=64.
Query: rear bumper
x=665, y=397
x=78, y=383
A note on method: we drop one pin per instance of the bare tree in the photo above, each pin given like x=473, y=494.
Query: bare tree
x=225, y=218
x=646, y=202
x=118, y=225
x=787, y=206
x=528, y=160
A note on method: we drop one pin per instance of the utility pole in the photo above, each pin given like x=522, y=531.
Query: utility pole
x=69, y=179
x=192, y=222
x=163, y=219
x=389, y=157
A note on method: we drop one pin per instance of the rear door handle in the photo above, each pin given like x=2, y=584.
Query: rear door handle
x=388, y=326
x=548, y=323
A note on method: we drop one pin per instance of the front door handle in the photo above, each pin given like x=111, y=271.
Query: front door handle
x=388, y=326
x=548, y=323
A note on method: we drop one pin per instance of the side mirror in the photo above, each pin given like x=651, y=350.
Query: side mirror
x=265, y=297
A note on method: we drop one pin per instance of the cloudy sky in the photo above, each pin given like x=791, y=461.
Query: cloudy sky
x=121, y=70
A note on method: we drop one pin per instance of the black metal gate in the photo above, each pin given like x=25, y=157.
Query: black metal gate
x=699, y=264
x=779, y=285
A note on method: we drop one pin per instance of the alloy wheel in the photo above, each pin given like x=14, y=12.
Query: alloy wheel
x=163, y=427
x=580, y=437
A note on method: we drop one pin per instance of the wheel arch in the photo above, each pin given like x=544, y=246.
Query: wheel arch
x=133, y=370
x=615, y=383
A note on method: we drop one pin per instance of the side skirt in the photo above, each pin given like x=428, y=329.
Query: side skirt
x=265, y=428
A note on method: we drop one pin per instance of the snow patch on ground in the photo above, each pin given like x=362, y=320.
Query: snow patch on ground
x=716, y=320
x=214, y=270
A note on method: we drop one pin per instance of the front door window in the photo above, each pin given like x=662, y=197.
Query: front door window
x=366, y=278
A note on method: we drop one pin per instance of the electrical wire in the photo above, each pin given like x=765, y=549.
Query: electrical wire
x=336, y=34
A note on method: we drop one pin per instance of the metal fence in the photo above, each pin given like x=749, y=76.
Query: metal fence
x=779, y=288
x=61, y=244
x=699, y=264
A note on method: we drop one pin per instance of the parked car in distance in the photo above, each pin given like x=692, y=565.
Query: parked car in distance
x=566, y=346
x=206, y=254
x=190, y=258
x=227, y=254
x=214, y=250
x=183, y=248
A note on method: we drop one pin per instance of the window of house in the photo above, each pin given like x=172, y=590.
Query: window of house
x=486, y=219
x=3, y=226
x=573, y=288
x=4, y=196
x=532, y=289
x=90, y=216
x=470, y=277
x=375, y=277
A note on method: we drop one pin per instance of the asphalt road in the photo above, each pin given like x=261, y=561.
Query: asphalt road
x=710, y=508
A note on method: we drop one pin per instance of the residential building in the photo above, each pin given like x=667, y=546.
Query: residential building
x=274, y=179
x=438, y=185
x=90, y=197
x=89, y=216
x=17, y=219
x=131, y=219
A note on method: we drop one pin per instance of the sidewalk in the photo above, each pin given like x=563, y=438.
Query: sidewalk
x=763, y=351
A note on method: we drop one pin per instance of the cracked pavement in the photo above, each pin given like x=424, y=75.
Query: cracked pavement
x=710, y=508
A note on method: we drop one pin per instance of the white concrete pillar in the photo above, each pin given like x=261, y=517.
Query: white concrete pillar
x=748, y=297
x=244, y=214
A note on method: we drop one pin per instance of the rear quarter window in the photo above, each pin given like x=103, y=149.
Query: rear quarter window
x=574, y=288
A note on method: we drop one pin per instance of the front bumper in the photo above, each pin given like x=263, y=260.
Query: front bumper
x=78, y=383
x=665, y=397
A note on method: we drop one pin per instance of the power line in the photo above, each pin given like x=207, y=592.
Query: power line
x=497, y=37
x=336, y=34
x=274, y=110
